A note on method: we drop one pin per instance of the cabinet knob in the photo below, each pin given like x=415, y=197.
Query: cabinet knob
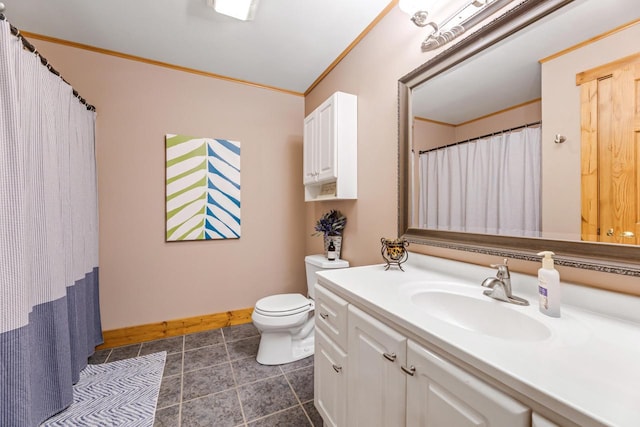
x=390, y=356
x=411, y=370
x=324, y=315
x=337, y=368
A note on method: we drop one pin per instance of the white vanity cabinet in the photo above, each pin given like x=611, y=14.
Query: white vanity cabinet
x=538, y=420
x=375, y=383
x=330, y=149
x=330, y=364
x=369, y=374
x=441, y=394
x=330, y=381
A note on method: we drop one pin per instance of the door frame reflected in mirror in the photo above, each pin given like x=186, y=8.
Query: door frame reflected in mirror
x=618, y=259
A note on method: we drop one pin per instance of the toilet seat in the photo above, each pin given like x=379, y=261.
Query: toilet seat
x=284, y=305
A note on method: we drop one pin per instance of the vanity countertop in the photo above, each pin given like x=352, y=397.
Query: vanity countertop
x=587, y=370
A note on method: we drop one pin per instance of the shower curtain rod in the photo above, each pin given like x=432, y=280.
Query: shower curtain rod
x=539, y=122
x=31, y=48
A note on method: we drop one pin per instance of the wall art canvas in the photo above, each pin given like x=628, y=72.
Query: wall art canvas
x=203, y=188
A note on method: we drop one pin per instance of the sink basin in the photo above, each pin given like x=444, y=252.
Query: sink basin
x=486, y=317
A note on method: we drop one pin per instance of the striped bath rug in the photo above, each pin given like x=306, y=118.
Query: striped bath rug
x=122, y=393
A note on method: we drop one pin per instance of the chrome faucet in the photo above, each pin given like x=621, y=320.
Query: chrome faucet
x=500, y=286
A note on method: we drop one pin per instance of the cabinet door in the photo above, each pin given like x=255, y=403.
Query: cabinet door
x=440, y=394
x=310, y=147
x=327, y=135
x=538, y=420
x=331, y=315
x=375, y=383
x=330, y=381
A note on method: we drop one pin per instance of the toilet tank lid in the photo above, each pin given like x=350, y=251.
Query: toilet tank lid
x=321, y=261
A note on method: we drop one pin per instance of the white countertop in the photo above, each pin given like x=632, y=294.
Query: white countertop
x=588, y=370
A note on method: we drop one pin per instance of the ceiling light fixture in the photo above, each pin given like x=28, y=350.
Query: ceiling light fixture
x=243, y=10
x=470, y=14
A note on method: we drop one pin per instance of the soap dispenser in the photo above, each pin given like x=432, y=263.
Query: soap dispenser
x=331, y=251
x=549, y=286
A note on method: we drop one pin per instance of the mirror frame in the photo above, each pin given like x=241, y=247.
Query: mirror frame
x=609, y=258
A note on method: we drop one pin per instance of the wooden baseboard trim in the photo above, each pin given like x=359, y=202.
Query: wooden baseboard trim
x=172, y=328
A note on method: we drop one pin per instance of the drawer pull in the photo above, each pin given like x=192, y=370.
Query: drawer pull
x=324, y=315
x=410, y=371
x=337, y=368
x=390, y=356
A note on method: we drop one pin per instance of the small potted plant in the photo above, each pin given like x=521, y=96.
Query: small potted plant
x=330, y=226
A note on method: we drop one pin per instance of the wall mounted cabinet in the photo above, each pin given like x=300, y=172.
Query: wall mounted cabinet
x=330, y=166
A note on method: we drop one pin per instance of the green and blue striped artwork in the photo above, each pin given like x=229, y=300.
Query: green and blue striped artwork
x=203, y=188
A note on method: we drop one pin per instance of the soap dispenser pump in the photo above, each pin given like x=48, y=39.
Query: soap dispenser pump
x=549, y=286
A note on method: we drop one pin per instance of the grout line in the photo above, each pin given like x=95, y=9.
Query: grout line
x=181, y=385
x=307, y=414
x=210, y=394
x=261, y=379
x=298, y=399
x=236, y=386
x=277, y=412
x=233, y=375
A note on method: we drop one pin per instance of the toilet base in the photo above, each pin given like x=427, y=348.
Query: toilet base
x=277, y=348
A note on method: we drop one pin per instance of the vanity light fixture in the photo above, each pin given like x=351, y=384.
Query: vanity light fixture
x=417, y=9
x=468, y=15
x=243, y=10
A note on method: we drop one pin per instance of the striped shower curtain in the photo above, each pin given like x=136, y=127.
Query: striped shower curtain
x=49, y=314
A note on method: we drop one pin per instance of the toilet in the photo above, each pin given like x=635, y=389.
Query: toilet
x=285, y=321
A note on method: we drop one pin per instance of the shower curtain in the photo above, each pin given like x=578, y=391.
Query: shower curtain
x=489, y=186
x=49, y=314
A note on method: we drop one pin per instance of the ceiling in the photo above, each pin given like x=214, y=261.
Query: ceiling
x=288, y=45
x=508, y=73
x=291, y=43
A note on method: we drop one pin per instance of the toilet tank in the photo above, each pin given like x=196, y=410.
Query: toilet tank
x=315, y=263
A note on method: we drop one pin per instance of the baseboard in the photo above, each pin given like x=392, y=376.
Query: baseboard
x=172, y=328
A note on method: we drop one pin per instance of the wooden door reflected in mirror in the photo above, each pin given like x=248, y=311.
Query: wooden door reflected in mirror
x=610, y=147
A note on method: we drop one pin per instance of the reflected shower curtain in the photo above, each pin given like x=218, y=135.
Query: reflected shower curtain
x=490, y=186
x=49, y=314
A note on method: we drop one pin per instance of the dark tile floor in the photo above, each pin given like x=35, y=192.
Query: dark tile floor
x=212, y=379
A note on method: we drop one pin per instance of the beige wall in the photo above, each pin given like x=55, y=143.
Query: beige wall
x=143, y=279
x=427, y=134
x=371, y=71
x=516, y=116
x=561, y=115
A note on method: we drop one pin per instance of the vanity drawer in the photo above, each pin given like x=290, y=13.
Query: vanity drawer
x=331, y=315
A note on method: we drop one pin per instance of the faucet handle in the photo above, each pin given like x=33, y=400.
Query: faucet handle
x=503, y=269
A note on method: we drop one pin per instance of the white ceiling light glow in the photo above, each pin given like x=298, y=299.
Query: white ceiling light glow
x=243, y=10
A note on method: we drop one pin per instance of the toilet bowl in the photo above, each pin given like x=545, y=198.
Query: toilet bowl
x=285, y=321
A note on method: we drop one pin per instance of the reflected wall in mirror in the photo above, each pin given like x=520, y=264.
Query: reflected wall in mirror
x=505, y=78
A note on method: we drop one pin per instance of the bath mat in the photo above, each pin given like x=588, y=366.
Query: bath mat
x=122, y=393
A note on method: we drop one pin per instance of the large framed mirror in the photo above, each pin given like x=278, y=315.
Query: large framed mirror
x=518, y=72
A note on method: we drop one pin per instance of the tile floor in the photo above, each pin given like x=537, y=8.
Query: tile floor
x=212, y=379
